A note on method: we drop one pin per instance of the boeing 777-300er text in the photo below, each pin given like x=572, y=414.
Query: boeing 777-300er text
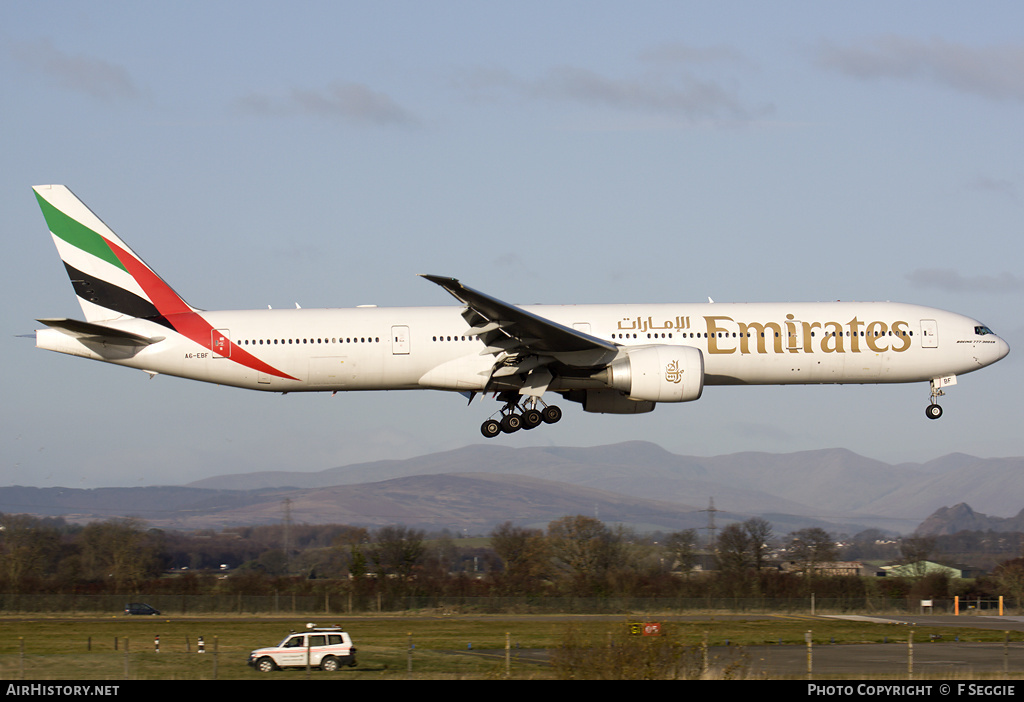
x=619, y=359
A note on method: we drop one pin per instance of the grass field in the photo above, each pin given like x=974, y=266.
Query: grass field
x=433, y=647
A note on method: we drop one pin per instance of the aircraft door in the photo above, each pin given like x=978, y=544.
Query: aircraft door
x=795, y=336
x=220, y=343
x=929, y=334
x=399, y=340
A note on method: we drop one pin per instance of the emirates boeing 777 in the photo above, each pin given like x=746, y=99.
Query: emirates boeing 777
x=618, y=359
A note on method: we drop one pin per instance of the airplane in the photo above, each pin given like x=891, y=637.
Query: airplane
x=609, y=358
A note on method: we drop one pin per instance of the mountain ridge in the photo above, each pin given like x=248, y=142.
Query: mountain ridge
x=635, y=482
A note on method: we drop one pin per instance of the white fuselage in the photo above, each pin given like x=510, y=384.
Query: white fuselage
x=376, y=348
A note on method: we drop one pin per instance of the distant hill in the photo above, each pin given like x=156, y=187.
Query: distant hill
x=475, y=502
x=752, y=481
x=831, y=483
x=467, y=501
x=636, y=482
x=960, y=517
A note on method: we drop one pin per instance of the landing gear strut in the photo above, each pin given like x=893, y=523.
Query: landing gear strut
x=934, y=410
x=514, y=417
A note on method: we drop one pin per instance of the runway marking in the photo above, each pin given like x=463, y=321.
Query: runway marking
x=863, y=618
x=799, y=617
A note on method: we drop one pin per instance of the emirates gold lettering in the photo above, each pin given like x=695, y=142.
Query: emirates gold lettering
x=834, y=337
x=875, y=336
x=715, y=334
x=726, y=335
x=809, y=331
x=761, y=333
x=901, y=337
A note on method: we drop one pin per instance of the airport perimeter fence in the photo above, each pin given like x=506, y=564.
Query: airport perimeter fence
x=345, y=603
x=733, y=605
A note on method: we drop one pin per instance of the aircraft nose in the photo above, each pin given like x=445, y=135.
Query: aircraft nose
x=1002, y=349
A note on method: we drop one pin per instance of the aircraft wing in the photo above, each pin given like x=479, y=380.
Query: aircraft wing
x=529, y=350
x=534, y=334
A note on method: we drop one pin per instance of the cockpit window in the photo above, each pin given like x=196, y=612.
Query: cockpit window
x=982, y=330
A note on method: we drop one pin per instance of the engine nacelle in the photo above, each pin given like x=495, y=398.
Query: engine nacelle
x=659, y=373
x=610, y=402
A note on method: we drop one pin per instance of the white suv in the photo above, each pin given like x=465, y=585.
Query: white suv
x=326, y=648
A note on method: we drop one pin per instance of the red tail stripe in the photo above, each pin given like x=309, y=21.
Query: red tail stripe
x=182, y=317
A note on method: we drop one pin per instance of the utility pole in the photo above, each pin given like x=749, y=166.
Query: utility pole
x=711, y=523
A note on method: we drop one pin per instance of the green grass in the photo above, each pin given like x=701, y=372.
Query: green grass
x=95, y=649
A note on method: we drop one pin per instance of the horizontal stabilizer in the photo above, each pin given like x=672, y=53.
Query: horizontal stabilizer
x=99, y=333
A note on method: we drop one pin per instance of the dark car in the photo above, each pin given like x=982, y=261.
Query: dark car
x=140, y=608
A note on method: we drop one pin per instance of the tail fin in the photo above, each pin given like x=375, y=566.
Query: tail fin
x=111, y=281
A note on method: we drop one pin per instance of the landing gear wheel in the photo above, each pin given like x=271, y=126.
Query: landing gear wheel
x=551, y=414
x=532, y=418
x=933, y=411
x=491, y=428
x=511, y=423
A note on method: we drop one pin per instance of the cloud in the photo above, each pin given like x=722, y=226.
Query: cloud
x=688, y=97
x=951, y=281
x=669, y=85
x=84, y=74
x=354, y=103
x=993, y=72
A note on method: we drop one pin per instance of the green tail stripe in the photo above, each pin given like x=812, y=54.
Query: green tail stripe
x=77, y=234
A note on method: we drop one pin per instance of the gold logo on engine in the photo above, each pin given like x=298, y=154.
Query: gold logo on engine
x=672, y=372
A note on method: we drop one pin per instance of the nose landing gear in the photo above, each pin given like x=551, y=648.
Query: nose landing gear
x=514, y=417
x=934, y=410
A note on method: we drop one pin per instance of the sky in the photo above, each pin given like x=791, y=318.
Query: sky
x=325, y=153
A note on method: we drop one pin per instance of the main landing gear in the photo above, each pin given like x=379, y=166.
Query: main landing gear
x=515, y=417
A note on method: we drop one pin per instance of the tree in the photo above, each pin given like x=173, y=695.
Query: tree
x=523, y=552
x=732, y=548
x=811, y=547
x=682, y=549
x=27, y=549
x=759, y=536
x=273, y=561
x=397, y=550
x=348, y=544
x=119, y=551
x=1009, y=576
x=744, y=545
x=584, y=549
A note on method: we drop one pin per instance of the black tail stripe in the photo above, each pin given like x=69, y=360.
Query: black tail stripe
x=113, y=297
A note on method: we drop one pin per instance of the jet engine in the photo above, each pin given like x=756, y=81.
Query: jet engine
x=658, y=373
